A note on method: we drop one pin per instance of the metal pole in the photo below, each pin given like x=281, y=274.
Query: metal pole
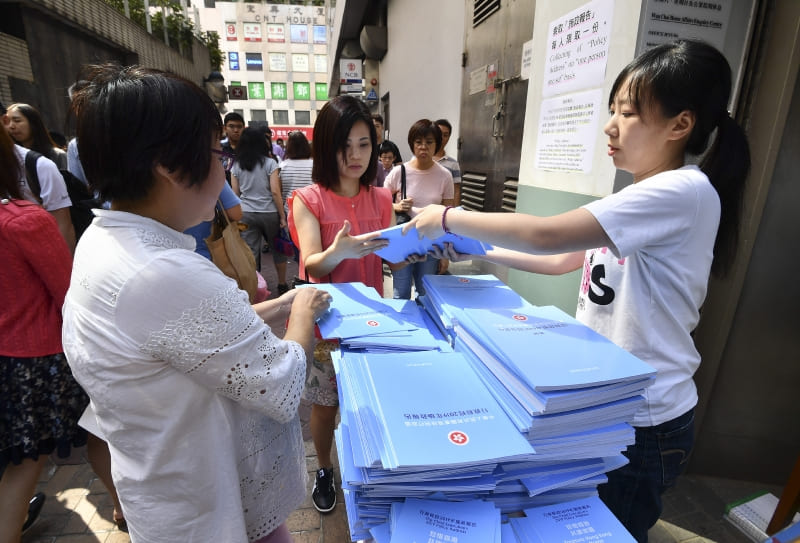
x=164, y=19
x=127, y=8
x=147, y=17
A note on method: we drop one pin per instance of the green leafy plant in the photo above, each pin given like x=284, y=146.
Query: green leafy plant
x=211, y=41
x=180, y=30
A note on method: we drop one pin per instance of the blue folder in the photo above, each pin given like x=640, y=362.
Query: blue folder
x=401, y=246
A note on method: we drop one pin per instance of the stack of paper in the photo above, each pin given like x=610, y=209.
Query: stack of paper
x=422, y=424
x=361, y=319
x=425, y=410
x=531, y=409
x=448, y=294
x=417, y=425
x=549, y=371
x=752, y=515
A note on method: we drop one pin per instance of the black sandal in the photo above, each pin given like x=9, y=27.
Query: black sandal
x=34, y=508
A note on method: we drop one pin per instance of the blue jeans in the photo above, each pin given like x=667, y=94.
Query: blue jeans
x=659, y=456
x=401, y=279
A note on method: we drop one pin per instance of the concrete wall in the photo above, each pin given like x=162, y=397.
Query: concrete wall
x=422, y=67
x=54, y=38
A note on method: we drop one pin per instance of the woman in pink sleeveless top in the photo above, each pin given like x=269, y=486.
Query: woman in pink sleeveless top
x=331, y=221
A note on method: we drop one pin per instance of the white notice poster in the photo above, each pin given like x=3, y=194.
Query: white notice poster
x=527, y=60
x=577, y=49
x=668, y=21
x=568, y=128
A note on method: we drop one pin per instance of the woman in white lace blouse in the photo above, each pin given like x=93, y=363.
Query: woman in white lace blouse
x=194, y=394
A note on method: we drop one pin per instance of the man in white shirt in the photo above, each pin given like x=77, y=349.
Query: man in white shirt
x=448, y=162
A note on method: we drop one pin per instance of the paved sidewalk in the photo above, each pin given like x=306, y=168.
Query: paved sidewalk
x=78, y=508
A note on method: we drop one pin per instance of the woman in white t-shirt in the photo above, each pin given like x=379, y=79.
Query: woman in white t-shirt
x=427, y=182
x=646, y=251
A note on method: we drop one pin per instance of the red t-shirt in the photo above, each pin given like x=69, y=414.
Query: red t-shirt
x=370, y=210
x=36, y=271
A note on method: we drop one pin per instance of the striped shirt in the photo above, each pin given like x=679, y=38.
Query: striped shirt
x=295, y=174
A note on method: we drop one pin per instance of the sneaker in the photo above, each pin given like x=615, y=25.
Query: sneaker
x=324, y=493
x=34, y=508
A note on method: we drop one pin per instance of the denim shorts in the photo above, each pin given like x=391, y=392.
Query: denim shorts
x=659, y=456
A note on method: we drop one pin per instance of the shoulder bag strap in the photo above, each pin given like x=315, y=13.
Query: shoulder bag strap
x=403, y=181
x=31, y=175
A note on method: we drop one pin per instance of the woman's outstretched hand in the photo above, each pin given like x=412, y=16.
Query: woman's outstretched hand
x=428, y=222
x=357, y=246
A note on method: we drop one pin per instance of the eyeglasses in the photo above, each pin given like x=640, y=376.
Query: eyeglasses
x=225, y=158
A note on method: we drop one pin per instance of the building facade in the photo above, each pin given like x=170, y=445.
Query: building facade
x=275, y=61
x=44, y=44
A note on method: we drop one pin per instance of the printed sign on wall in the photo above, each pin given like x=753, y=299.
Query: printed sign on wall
x=276, y=33
x=233, y=60
x=230, y=31
x=252, y=32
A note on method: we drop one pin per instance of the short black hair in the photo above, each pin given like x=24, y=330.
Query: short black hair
x=422, y=128
x=390, y=147
x=133, y=119
x=233, y=116
x=377, y=117
x=444, y=122
x=331, y=130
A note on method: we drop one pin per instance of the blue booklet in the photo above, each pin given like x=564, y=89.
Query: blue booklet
x=549, y=350
x=401, y=246
x=433, y=410
x=446, y=294
x=416, y=520
x=357, y=310
x=581, y=520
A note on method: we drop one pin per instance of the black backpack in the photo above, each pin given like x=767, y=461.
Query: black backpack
x=83, y=201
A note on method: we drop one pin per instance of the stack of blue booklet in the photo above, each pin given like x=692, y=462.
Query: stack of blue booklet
x=422, y=425
x=424, y=411
x=361, y=319
x=448, y=294
x=554, y=376
x=529, y=407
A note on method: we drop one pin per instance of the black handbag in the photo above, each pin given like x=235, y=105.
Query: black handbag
x=402, y=217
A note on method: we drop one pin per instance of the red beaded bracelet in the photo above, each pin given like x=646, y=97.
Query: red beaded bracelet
x=444, y=220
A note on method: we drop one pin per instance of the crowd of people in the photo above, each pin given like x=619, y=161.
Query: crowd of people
x=191, y=400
